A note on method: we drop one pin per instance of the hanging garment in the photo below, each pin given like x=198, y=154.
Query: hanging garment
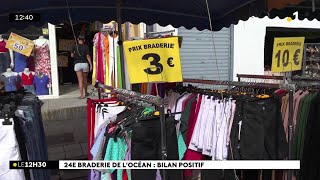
x=3, y=47
x=42, y=60
x=106, y=114
x=4, y=61
x=113, y=60
x=146, y=138
x=20, y=62
x=41, y=85
x=119, y=69
x=91, y=109
x=9, y=149
x=106, y=62
x=94, y=64
x=310, y=159
x=27, y=79
x=98, y=41
x=257, y=131
x=10, y=83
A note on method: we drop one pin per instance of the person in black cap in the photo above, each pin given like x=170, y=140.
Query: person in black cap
x=82, y=65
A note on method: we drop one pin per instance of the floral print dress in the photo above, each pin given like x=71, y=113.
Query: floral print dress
x=42, y=60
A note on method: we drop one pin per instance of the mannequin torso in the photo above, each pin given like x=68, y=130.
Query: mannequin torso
x=41, y=41
x=42, y=57
x=27, y=72
x=9, y=73
x=10, y=80
x=27, y=77
x=41, y=82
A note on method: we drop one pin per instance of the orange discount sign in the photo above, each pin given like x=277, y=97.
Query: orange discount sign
x=20, y=44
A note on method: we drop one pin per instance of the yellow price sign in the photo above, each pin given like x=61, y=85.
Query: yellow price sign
x=287, y=54
x=45, y=31
x=153, y=60
x=20, y=44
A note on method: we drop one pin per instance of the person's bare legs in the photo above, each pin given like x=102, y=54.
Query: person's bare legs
x=80, y=81
x=85, y=83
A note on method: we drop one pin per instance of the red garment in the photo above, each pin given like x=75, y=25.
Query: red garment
x=100, y=64
x=3, y=46
x=184, y=103
x=91, y=106
x=27, y=80
x=281, y=92
x=190, y=154
x=124, y=175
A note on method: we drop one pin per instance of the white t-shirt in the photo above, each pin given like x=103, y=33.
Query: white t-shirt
x=9, y=151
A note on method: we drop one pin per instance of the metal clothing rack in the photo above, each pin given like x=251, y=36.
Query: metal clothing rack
x=162, y=32
x=289, y=87
x=232, y=83
x=150, y=34
x=296, y=80
x=149, y=99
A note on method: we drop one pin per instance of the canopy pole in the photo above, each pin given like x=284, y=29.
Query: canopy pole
x=123, y=74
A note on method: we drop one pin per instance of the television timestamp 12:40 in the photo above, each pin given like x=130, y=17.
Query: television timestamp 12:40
x=24, y=17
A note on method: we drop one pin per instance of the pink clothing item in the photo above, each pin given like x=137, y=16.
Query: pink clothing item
x=286, y=117
x=184, y=103
x=100, y=73
x=190, y=154
x=296, y=108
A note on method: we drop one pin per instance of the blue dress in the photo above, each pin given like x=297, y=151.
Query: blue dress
x=41, y=85
x=10, y=83
x=20, y=62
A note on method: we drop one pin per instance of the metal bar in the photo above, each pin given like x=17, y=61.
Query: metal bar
x=304, y=60
x=162, y=32
x=276, y=77
x=290, y=128
x=147, y=98
x=259, y=76
x=232, y=83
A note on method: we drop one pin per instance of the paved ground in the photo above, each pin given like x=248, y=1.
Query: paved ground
x=65, y=124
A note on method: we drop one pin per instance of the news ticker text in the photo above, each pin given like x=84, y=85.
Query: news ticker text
x=78, y=164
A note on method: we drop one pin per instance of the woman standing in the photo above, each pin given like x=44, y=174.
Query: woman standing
x=81, y=57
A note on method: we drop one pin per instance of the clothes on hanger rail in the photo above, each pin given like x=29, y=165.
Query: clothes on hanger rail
x=218, y=126
x=24, y=139
x=106, y=59
x=130, y=131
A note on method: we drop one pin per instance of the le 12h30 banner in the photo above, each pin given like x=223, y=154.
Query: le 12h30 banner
x=153, y=60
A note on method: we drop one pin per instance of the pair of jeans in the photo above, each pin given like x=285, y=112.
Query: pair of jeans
x=31, y=134
x=262, y=136
x=31, y=120
x=146, y=145
x=22, y=144
x=36, y=104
